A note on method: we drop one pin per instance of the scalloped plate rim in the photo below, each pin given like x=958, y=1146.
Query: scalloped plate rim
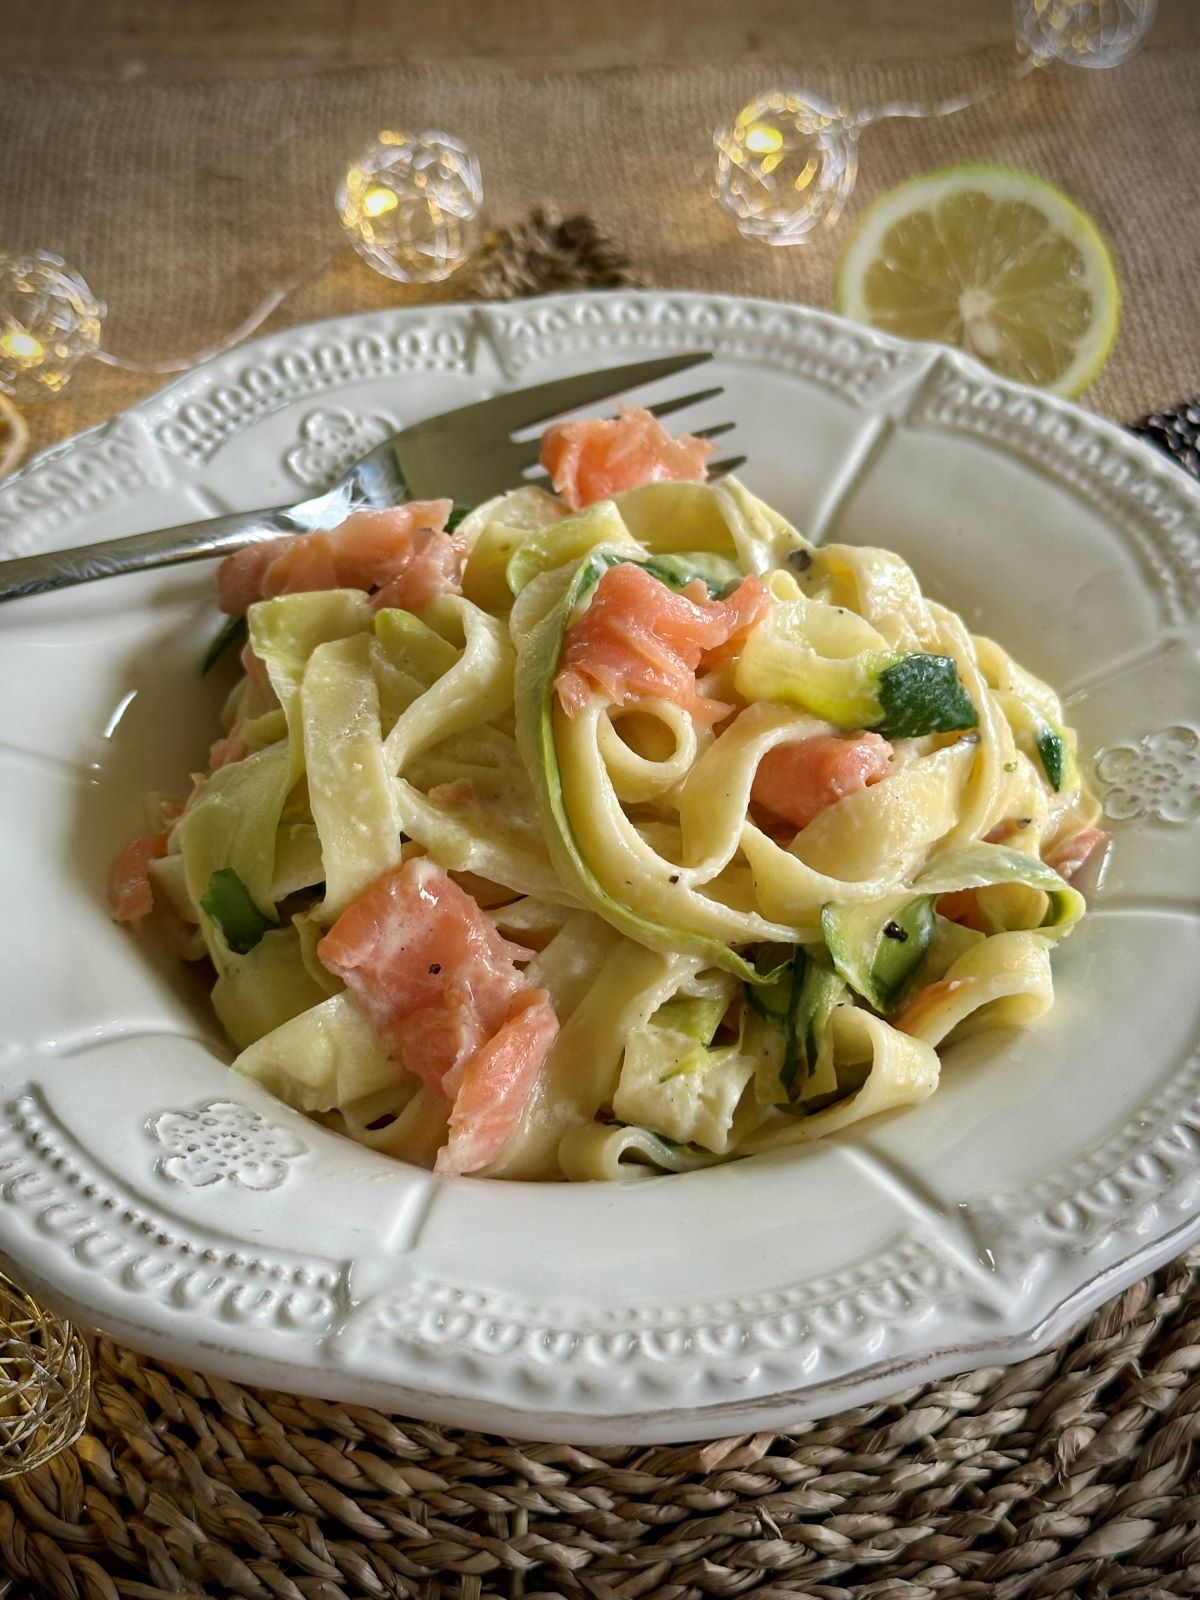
x=785, y=1405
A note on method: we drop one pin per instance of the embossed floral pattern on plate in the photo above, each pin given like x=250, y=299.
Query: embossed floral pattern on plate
x=222, y=1141
x=332, y=440
x=1157, y=777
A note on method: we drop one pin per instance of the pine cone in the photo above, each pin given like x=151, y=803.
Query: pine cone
x=549, y=252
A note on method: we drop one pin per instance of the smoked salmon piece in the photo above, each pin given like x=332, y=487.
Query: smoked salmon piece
x=797, y=781
x=639, y=639
x=916, y=1013
x=130, y=897
x=1071, y=854
x=593, y=459
x=1067, y=858
x=254, y=669
x=241, y=577
x=370, y=550
x=441, y=986
x=232, y=747
x=495, y=1086
x=434, y=566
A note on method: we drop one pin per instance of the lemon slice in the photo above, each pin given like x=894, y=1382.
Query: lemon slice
x=995, y=261
x=14, y=435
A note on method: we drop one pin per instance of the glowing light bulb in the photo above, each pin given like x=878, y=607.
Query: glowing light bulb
x=763, y=141
x=21, y=346
x=378, y=201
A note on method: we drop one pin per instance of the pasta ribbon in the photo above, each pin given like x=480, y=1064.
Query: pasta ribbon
x=355, y=805
x=896, y=1070
x=763, y=832
x=1002, y=981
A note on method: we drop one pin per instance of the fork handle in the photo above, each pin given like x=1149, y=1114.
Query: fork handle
x=191, y=541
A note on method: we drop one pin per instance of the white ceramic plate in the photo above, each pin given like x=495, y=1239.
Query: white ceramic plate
x=154, y=1194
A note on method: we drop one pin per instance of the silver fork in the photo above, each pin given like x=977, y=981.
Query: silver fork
x=470, y=454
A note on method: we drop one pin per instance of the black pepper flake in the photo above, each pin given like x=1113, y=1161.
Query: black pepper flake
x=674, y=878
x=1023, y=822
x=800, y=560
x=434, y=968
x=893, y=930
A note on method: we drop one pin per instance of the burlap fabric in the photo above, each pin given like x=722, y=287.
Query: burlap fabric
x=1070, y=1474
x=184, y=204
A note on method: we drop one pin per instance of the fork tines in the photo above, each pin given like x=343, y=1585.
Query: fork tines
x=525, y=407
x=632, y=376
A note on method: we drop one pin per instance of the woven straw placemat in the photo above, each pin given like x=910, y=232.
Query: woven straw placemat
x=1067, y=1475
x=1070, y=1474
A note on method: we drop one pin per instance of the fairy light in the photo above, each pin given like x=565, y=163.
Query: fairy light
x=1083, y=33
x=51, y=321
x=410, y=204
x=22, y=347
x=787, y=164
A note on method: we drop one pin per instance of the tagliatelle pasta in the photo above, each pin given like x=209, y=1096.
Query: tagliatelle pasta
x=655, y=837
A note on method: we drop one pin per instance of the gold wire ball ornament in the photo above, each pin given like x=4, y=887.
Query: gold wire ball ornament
x=1083, y=33
x=50, y=321
x=45, y=1379
x=410, y=205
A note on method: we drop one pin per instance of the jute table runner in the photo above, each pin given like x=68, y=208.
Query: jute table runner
x=184, y=204
x=1070, y=1474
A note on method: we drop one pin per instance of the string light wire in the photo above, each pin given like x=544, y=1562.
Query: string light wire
x=236, y=336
